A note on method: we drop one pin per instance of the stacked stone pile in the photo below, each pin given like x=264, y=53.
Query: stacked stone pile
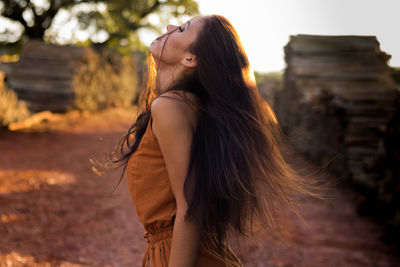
x=43, y=76
x=337, y=101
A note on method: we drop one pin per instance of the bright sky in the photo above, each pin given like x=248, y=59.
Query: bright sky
x=264, y=26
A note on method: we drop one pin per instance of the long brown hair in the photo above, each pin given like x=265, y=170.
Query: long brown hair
x=238, y=179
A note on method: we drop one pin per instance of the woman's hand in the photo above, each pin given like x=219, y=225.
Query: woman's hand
x=173, y=124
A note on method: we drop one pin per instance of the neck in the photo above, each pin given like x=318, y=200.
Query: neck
x=168, y=76
x=165, y=78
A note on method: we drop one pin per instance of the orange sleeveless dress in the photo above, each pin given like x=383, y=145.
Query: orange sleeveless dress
x=155, y=204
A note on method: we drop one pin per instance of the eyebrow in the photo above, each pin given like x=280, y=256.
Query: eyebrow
x=188, y=23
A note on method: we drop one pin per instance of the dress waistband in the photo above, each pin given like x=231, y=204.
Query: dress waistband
x=163, y=233
x=158, y=234
x=153, y=237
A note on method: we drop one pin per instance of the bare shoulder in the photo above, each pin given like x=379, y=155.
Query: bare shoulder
x=172, y=117
x=170, y=107
x=192, y=97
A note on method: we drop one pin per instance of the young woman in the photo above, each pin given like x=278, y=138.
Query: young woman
x=204, y=158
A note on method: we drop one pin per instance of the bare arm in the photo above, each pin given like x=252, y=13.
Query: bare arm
x=172, y=126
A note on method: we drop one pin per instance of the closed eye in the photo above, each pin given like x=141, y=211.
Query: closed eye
x=181, y=29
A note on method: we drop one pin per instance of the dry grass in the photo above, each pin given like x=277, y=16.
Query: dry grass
x=11, y=109
x=104, y=80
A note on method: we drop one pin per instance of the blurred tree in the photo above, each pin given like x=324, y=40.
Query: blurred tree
x=120, y=19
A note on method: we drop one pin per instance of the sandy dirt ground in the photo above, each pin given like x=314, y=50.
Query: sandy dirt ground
x=55, y=211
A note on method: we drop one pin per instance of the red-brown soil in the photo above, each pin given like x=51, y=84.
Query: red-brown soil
x=55, y=211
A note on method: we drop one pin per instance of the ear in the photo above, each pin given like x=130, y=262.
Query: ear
x=189, y=60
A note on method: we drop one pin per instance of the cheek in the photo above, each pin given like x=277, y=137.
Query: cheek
x=178, y=43
x=173, y=51
x=174, y=47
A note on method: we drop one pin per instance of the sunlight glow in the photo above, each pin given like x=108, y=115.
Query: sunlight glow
x=265, y=25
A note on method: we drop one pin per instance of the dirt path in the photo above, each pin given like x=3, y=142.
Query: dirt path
x=54, y=211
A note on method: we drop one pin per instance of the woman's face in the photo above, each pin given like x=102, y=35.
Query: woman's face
x=177, y=41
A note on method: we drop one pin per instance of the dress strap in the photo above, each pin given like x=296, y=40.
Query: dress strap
x=186, y=99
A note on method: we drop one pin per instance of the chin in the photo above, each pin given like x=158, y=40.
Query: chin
x=154, y=54
x=154, y=50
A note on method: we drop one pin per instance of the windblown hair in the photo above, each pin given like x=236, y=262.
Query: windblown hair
x=238, y=179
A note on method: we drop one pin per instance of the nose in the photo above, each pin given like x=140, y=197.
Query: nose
x=171, y=27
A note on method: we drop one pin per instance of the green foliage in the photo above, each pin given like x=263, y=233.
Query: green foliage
x=11, y=109
x=120, y=19
x=104, y=80
x=36, y=16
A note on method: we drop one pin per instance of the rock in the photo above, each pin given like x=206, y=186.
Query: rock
x=338, y=99
x=43, y=76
